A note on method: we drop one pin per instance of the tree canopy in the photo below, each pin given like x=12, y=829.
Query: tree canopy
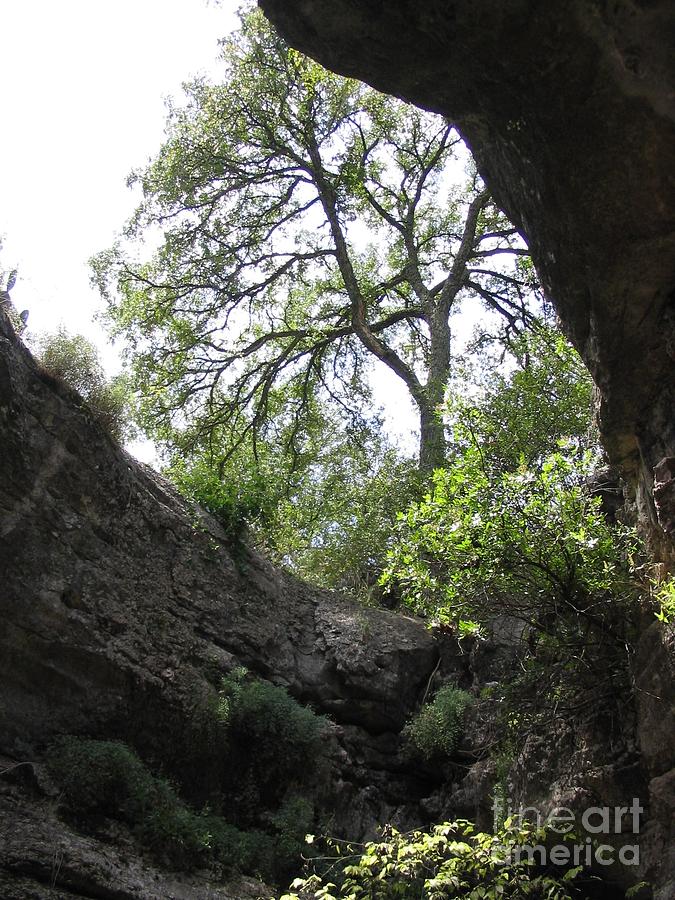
x=306, y=226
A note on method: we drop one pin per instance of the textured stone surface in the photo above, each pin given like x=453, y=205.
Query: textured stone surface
x=122, y=606
x=655, y=690
x=664, y=493
x=569, y=109
x=44, y=859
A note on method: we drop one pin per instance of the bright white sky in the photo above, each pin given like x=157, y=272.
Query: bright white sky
x=82, y=103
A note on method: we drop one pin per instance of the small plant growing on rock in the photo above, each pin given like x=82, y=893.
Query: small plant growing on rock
x=72, y=359
x=274, y=741
x=437, y=728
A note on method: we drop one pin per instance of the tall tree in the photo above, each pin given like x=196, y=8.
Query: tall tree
x=307, y=226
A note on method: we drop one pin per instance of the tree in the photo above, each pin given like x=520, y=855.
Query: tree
x=508, y=524
x=520, y=414
x=307, y=227
x=338, y=524
x=327, y=514
x=510, y=529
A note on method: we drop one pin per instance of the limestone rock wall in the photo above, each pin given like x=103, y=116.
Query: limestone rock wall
x=121, y=607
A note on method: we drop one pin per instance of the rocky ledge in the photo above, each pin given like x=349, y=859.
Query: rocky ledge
x=122, y=607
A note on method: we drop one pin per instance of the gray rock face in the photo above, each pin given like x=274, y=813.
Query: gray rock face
x=111, y=581
x=570, y=112
x=655, y=691
x=664, y=494
x=122, y=606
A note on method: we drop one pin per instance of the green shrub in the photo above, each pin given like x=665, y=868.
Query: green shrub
x=231, y=688
x=274, y=741
x=267, y=717
x=111, y=409
x=450, y=861
x=103, y=777
x=532, y=546
x=437, y=727
x=106, y=778
x=236, y=501
x=269, y=746
x=664, y=594
x=74, y=360
x=291, y=823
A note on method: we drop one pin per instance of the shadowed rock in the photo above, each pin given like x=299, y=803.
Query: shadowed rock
x=122, y=606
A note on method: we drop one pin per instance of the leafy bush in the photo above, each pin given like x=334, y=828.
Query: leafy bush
x=510, y=531
x=274, y=741
x=103, y=777
x=106, y=778
x=449, y=862
x=532, y=544
x=74, y=360
x=664, y=594
x=437, y=727
x=237, y=500
x=291, y=824
x=267, y=717
x=110, y=405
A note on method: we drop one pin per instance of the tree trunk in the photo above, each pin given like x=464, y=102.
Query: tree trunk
x=432, y=440
x=432, y=431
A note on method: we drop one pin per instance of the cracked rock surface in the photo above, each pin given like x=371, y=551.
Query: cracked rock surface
x=122, y=606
